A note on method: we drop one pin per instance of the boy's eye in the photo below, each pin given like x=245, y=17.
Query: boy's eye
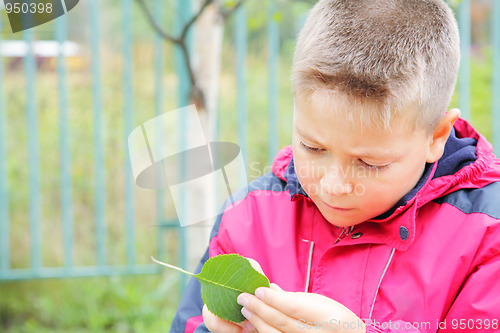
x=373, y=166
x=311, y=149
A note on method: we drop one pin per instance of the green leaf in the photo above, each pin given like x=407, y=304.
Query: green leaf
x=222, y=279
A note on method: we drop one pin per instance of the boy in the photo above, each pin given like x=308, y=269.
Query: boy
x=385, y=209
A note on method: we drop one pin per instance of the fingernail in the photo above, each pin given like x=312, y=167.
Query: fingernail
x=259, y=292
x=242, y=300
x=246, y=313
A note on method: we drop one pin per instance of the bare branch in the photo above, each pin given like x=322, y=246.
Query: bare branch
x=155, y=25
x=195, y=18
x=187, y=58
x=196, y=94
x=181, y=41
x=225, y=14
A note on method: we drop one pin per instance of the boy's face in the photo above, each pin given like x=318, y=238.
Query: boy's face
x=354, y=173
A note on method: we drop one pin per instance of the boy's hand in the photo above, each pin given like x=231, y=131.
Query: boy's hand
x=275, y=310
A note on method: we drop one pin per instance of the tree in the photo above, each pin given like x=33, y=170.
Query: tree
x=203, y=67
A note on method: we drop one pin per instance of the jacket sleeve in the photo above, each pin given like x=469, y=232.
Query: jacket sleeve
x=188, y=318
x=477, y=306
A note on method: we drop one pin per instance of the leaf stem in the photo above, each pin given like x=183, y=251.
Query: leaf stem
x=172, y=266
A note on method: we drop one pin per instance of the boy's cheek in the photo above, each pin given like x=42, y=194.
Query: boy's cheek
x=307, y=171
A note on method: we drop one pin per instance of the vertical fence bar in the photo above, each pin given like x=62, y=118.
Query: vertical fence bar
x=495, y=21
x=273, y=54
x=464, y=21
x=183, y=14
x=128, y=126
x=241, y=59
x=158, y=63
x=64, y=147
x=4, y=187
x=99, y=164
x=34, y=154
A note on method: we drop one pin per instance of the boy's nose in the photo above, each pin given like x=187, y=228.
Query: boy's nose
x=335, y=183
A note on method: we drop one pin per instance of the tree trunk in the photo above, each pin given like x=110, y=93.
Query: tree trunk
x=206, y=62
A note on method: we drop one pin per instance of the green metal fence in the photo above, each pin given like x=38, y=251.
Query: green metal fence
x=496, y=75
x=98, y=171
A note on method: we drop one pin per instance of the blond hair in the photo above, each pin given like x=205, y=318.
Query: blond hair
x=393, y=53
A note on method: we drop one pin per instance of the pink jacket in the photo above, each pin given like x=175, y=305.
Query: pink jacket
x=431, y=264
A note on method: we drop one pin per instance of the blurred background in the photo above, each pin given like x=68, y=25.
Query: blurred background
x=76, y=233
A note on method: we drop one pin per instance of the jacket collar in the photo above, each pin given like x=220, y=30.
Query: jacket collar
x=292, y=182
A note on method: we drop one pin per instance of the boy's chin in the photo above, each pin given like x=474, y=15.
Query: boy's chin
x=342, y=221
x=340, y=217
x=344, y=217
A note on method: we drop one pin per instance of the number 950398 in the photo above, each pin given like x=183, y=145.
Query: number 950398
x=473, y=324
x=25, y=8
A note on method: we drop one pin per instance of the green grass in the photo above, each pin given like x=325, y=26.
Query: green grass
x=104, y=304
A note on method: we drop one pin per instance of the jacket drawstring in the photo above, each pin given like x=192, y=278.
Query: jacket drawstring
x=380, y=282
x=309, y=263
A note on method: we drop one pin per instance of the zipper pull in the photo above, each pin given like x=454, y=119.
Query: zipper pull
x=341, y=236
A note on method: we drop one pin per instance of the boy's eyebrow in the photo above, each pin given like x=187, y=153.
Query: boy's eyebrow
x=374, y=153
x=309, y=138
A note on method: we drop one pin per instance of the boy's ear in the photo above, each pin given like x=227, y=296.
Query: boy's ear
x=441, y=134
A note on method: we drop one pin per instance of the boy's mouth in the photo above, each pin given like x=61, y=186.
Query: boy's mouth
x=338, y=209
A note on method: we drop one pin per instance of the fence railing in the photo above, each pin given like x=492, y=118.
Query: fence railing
x=13, y=244
x=495, y=19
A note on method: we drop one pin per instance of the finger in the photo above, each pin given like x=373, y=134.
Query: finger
x=264, y=317
x=216, y=324
x=306, y=307
x=294, y=304
x=261, y=326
